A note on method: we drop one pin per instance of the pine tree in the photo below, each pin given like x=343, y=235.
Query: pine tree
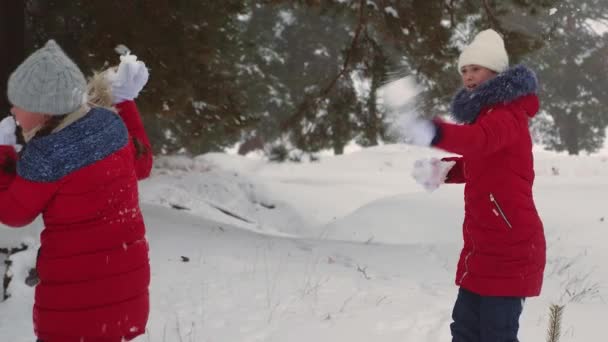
x=571, y=68
x=12, y=31
x=191, y=101
x=292, y=51
x=305, y=73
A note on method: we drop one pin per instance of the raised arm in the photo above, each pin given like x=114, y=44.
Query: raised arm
x=489, y=134
x=143, y=150
x=21, y=200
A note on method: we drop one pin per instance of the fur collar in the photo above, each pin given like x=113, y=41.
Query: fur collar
x=507, y=86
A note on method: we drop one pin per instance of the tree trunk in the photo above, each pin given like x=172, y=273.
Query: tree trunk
x=373, y=121
x=340, y=131
x=12, y=43
x=371, y=129
x=338, y=148
x=572, y=126
x=570, y=134
x=251, y=144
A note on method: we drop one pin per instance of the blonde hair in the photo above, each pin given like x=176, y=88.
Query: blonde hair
x=99, y=91
x=99, y=94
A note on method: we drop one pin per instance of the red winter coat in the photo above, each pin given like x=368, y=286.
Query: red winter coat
x=504, y=243
x=93, y=261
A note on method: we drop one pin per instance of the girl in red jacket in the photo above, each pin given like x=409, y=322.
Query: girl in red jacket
x=79, y=169
x=503, y=258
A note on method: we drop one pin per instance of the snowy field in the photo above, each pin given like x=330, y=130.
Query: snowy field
x=345, y=249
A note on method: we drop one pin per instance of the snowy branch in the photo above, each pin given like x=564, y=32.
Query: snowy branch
x=493, y=20
x=309, y=102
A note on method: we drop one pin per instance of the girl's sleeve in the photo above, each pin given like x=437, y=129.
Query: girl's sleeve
x=456, y=174
x=8, y=166
x=21, y=200
x=143, y=150
x=489, y=134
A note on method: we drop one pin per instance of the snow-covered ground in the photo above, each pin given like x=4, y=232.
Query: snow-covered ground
x=345, y=249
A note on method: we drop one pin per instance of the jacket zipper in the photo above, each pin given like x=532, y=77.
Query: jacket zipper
x=502, y=213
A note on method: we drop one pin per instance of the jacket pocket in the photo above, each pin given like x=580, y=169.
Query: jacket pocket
x=497, y=210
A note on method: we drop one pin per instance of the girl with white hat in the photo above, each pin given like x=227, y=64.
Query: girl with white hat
x=503, y=257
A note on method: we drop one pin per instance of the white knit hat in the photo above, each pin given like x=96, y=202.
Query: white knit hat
x=47, y=82
x=486, y=50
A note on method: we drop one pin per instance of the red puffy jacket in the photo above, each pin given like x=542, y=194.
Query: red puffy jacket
x=504, y=243
x=93, y=261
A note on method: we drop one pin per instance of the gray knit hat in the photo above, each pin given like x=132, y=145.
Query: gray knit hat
x=47, y=82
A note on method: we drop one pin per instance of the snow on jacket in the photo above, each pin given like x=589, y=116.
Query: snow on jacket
x=504, y=243
x=93, y=261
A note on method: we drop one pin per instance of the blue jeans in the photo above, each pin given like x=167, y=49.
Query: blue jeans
x=485, y=319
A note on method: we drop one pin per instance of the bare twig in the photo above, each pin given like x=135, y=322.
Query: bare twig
x=363, y=271
x=178, y=327
x=380, y=300
x=346, y=301
x=451, y=10
x=13, y=250
x=7, y=277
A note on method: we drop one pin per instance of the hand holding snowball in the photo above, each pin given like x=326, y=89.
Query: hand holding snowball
x=406, y=123
x=128, y=79
x=431, y=172
x=8, y=128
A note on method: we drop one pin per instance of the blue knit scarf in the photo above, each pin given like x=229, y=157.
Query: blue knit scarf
x=88, y=140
